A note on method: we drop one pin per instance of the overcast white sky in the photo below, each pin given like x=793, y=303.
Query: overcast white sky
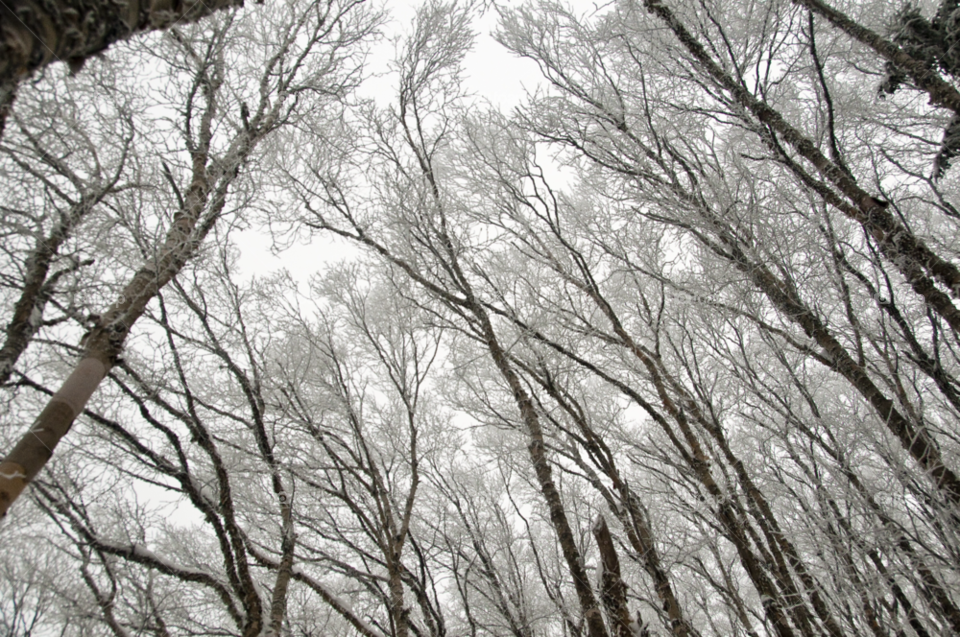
x=491, y=72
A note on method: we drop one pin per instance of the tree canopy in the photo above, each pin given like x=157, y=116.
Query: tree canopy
x=670, y=348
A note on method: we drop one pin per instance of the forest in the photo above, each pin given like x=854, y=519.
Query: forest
x=672, y=347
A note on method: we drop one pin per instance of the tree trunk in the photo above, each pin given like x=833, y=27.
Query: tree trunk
x=103, y=343
x=536, y=447
x=278, y=604
x=613, y=592
x=37, y=288
x=941, y=92
x=35, y=33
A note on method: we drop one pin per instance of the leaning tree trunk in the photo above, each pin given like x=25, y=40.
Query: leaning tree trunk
x=613, y=592
x=102, y=344
x=537, y=450
x=201, y=206
x=941, y=93
x=34, y=33
x=912, y=257
x=38, y=286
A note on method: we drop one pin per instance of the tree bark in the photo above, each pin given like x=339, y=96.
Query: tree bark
x=36, y=291
x=631, y=513
x=613, y=592
x=102, y=344
x=941, y=92
x=34, y=33
x=537, y=449
x=278, y=603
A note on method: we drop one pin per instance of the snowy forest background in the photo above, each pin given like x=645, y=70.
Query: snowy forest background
x=671, y=348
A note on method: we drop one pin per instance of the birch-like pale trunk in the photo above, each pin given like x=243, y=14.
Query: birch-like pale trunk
x=202, y=205
x=103, y=343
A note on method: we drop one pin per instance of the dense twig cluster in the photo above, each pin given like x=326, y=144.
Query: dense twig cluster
x=673, y=348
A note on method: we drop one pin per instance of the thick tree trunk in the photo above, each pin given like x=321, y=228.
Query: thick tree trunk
x=35, y=33
x=339, y=606
x=613, y=592
x=631, y=514
x=102, y=345
x=941, y=92
x=398, y=609
x=278, y=603
x=204, y=199
x=537, y=449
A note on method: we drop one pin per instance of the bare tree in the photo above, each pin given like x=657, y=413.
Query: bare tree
x=637, y=358
x=306, y=61
x=53, y=152
x=417, y=135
